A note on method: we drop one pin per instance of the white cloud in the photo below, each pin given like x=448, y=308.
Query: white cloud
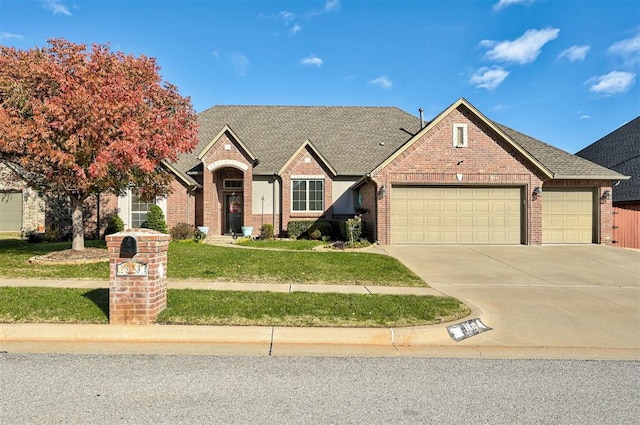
x=628, y=49
x=287, y=16
x=614, y=82
x=216, y=53
x=575, y=53
x=9, y=36
x=522, y=50
x=312, y=60
x=585, y=117
x=505, y=3
x=295, y=29
x=240, y=63
x=328, y=7
x=488, y=78
x=56, y=7
x=382, y=82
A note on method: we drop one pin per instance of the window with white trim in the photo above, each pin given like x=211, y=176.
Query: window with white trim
x=139, y=209
x=459, y=135
x=307, y=195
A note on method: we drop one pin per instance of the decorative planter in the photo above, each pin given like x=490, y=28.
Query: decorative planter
x=246, y=231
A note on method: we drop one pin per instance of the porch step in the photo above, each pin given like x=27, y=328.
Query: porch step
x=218, y=240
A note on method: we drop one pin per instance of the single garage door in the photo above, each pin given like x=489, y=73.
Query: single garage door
x=10, y=211
x=456, y=215
x=567, y=215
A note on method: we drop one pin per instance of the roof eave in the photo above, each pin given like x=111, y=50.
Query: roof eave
x=590, y=177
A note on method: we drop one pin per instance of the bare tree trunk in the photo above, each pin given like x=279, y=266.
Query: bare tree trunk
x=77, y=227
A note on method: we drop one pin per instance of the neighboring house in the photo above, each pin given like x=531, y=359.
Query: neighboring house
x=620, y=151
x=20, y=207
x=458, y=179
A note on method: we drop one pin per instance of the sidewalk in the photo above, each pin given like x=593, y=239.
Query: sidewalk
x=423, y=341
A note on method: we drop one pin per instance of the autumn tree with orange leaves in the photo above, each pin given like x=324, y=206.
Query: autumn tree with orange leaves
x=81, y=122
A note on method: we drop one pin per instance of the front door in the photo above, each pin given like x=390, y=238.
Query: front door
x=232, y=212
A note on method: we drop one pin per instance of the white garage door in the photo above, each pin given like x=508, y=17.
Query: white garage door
x=10, y=211
x=456, y=215
x=567, y=215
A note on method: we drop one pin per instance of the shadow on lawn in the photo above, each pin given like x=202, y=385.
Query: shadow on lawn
x=99, y=297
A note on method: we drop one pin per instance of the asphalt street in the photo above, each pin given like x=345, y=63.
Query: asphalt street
x=166, y=389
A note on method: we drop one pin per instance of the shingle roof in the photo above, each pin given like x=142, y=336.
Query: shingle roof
x=352, y=139
x=561, y=164
x=620, y=151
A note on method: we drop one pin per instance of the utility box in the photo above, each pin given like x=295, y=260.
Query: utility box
x=137, y=276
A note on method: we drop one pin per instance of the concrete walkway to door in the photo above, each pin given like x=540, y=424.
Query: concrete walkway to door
x=542, y=296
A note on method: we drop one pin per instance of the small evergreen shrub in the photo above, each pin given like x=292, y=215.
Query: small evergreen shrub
x=315, y=235
x=114, y=225
x=183, y=232
x=266, y=231
x=155, y=219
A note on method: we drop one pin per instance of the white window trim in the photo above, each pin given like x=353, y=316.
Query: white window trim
x=307, y=179
x=455, y=136
x=125, y=211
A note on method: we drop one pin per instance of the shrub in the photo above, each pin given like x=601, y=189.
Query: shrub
x=297, y=228
x=183, y=231
x=35, y=237
x=155, y=219
x=266, y=231
x=315, y=235
x=354, y=229
x=114, y=225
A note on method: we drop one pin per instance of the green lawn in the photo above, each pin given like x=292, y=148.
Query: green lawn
x=190, y=260
x=49, y=305
x=295, y=245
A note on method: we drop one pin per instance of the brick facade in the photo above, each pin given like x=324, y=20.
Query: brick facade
x=306, y=163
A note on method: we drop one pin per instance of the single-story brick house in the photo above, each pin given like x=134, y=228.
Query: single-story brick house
x=620, y=151
x=457, y=179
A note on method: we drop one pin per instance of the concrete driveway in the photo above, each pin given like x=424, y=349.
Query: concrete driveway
x=585, y=296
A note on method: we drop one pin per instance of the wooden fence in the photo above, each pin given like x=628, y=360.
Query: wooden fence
x=626, y=226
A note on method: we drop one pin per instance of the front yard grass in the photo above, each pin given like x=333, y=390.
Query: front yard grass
x=197, y=307
x=195, y=261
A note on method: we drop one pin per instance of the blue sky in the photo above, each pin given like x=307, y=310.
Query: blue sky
x=565, y=72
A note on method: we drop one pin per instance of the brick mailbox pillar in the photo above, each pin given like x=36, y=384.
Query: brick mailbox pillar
x=138, y=276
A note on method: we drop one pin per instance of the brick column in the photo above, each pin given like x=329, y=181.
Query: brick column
x=138, y=280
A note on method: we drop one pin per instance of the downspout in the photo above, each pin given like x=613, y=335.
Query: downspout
x=273, y=201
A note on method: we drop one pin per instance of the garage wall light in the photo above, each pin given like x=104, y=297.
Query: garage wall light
x=382, y=191
x=537, y=192
x=606, y=195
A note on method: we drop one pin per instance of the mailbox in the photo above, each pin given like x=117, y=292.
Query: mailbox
x=128, y=247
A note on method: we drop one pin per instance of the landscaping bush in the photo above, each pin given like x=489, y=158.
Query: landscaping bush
x=266, y=231
x=155, y=219
x=183, y=231
x=114, y=225
x=297, y=228
x=353, y=229
x=315, y=235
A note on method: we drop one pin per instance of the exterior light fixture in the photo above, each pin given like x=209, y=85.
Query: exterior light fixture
x=605, y=196
x=537, y=192
x=382, y=192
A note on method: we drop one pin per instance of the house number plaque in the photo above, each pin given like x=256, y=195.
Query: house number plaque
x=132, y=268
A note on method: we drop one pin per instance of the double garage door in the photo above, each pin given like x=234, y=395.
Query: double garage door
x=487, y=215
x=10, y=211
x=456, y=215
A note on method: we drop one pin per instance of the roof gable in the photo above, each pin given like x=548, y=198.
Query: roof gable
x=464, y=103
x=307, y=145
